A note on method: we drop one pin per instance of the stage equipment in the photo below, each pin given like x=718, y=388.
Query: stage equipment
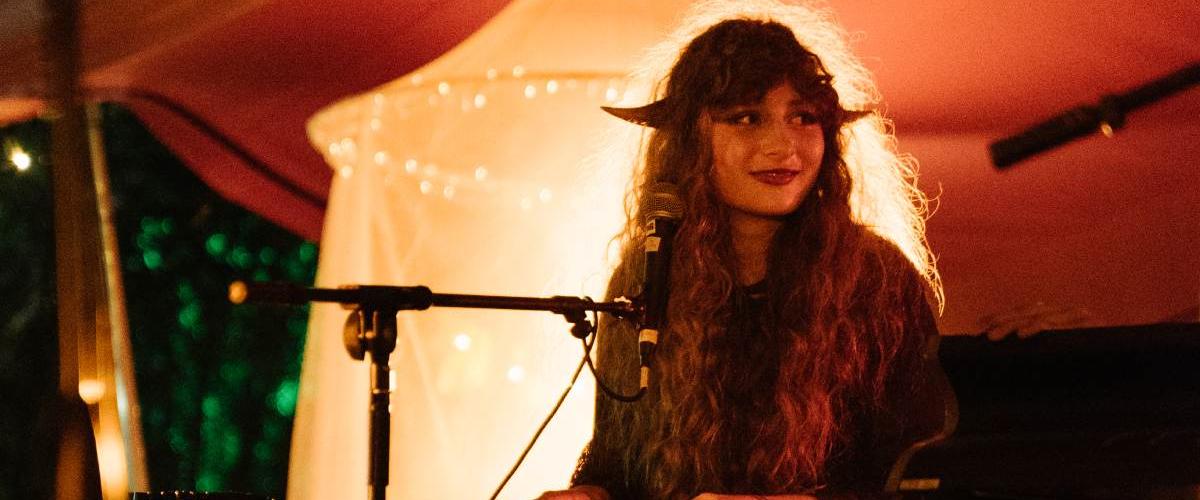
x=371, y=329
x=1107, y=116
x=1094, y=413
x=661, y=215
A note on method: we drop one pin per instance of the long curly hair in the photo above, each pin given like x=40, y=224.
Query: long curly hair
x=861, y=209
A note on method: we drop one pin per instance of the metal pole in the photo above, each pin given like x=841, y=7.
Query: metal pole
x=89, y=279
x=78, y=278
x=120, y=413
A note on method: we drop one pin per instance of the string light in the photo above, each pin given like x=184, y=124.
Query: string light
x=516, y=374
x=20, y=159
x=469, y=94
x=462, y=342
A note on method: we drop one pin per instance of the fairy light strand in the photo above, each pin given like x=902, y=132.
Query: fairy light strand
x=469, y=94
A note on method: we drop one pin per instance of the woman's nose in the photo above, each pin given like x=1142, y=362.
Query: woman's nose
x=778, y=141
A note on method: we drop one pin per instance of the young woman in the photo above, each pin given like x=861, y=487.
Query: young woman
x=793, y=363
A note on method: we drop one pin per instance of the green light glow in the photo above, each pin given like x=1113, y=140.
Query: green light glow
x=285, y=398
x=189, y=317
x=184, y=292
x=216, y=383
x=208, y=482
x=241, y=258
x=308, y=252
x=151, y=226
x=233, y=373
x=152, y=259
x=216, y=244
x=211, y=406
x=267, y=256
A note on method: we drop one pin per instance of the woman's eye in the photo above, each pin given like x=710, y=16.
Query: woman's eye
x=804, y=118
x=742, y=119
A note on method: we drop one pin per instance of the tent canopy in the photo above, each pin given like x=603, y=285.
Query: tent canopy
x=227, y=85
x=1107, y=223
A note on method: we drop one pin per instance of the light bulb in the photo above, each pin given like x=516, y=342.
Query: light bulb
x=20, y=159
x=462, y=341
x=516, y=374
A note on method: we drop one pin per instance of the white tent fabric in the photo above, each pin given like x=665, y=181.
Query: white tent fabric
x=472, y=175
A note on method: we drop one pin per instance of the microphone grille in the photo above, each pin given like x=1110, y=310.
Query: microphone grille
x=662, y=202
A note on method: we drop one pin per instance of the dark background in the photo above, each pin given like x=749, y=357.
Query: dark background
x=217, y=383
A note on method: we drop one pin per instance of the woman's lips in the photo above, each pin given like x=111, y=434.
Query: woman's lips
x=776, y=177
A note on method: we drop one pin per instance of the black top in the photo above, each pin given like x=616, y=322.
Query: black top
x=746, y=361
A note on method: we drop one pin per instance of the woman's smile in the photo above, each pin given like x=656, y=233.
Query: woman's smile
x=775, y=177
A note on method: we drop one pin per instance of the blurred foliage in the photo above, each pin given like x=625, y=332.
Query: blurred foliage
x=217, y=383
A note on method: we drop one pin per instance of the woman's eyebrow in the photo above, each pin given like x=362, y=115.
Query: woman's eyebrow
x=733, y=109
x=801, y=104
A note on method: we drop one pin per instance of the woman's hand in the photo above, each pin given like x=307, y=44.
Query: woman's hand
x=1028, y=319
x=583, y=492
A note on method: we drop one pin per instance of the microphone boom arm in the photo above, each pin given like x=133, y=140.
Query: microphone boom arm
x=409, y=298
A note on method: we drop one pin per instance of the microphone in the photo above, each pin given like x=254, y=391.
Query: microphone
x=660, y=214
x=1107, y=116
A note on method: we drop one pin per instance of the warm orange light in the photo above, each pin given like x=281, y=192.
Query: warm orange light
x=91, y=391
x=110, y=451
x=21, y=160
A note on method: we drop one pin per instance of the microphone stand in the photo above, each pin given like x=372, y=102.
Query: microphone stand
x=371, y=329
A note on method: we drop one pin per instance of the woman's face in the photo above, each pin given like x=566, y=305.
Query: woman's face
x=766, y=154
